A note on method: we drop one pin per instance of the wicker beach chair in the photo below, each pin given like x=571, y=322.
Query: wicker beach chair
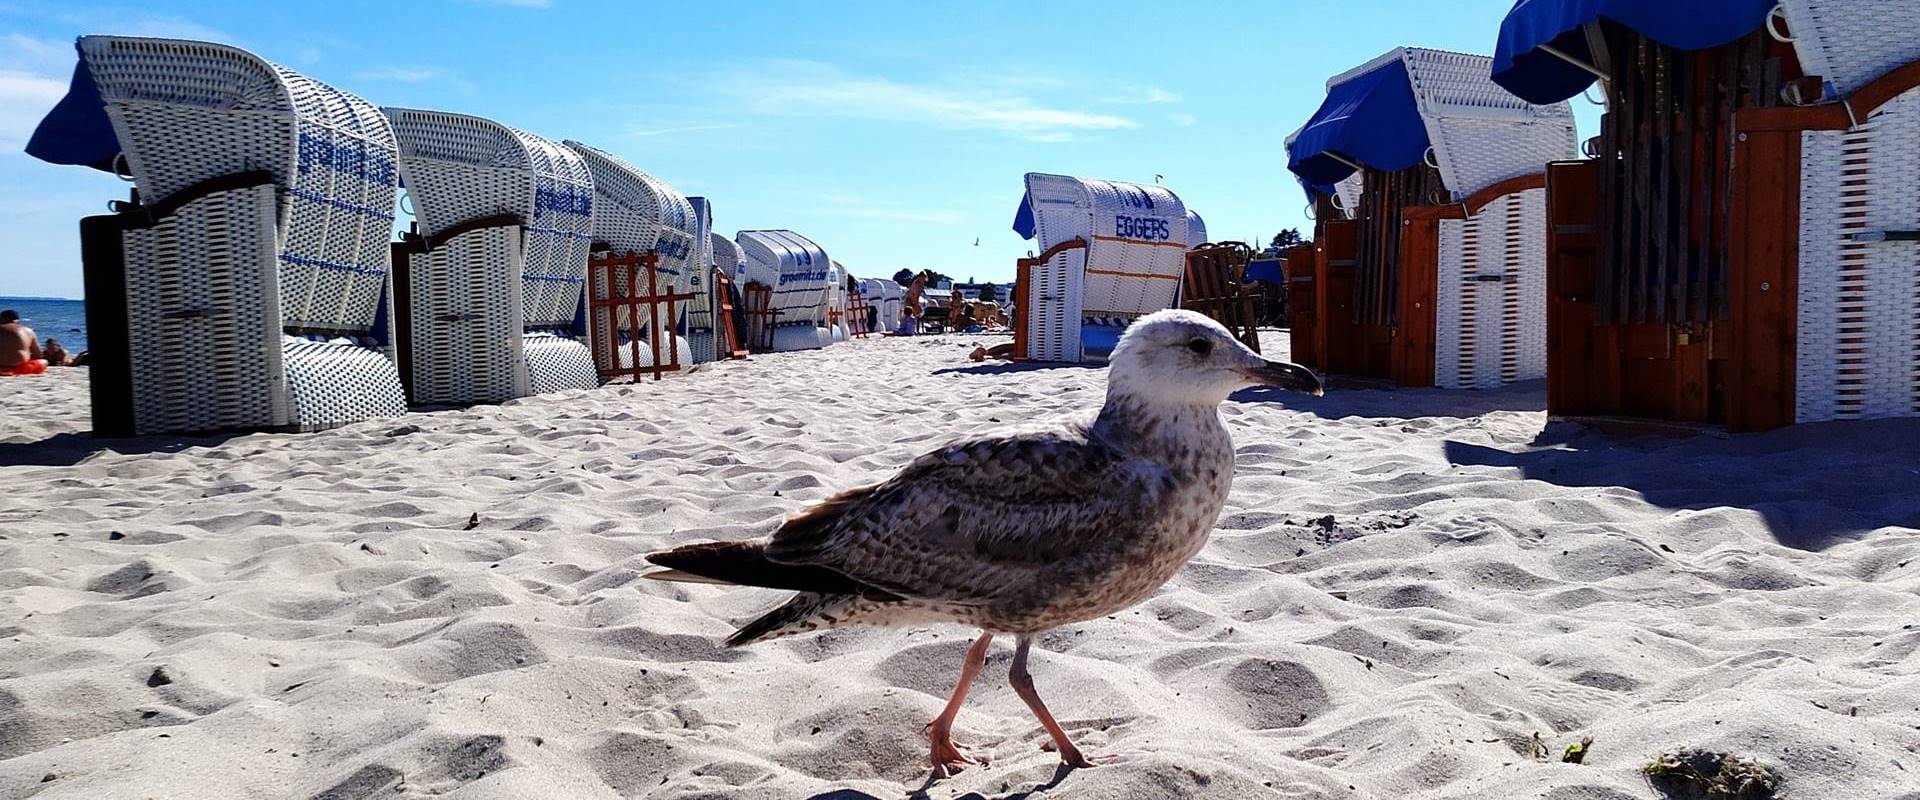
x=1079, y=299
x=634, y=211
x=1786, y=292
x=494, y=268
x=1433, y=267
x=798, y=272
x=248, y=285
x=699, y=311
x=837, y=328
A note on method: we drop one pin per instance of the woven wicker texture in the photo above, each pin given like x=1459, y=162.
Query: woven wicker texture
x=699, y=313
x=798, y=270
x=1858, y=341
x=1137, y=242
x=334, y=383
x=1490, y=317
x=460, y=168
x=1480, y=133
x=636, y=211
x=185, y=112
x=201, y=305
x=633, y=211
x=887, y=298
x=1196, y=230
x=466, y=321
x=1348, y=193
x=1852, y=42
x=556, y=362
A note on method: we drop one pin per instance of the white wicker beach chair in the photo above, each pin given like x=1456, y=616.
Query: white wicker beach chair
x=886, y=298
x=699, y=314
x=836, y=303
x=1857, y=352
x=251, y=284
x=1080, y=300
x=636, y=211
x=1196, y=230
x=1849, y=43
x=798, y=270
x=1491, y=294
x=496, y=267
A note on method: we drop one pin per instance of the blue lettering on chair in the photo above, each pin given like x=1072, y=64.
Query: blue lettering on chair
x=1146, y=228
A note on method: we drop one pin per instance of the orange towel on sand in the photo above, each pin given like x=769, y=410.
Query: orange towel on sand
x=34, y=367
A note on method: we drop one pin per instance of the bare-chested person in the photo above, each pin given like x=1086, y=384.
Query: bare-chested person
x=19, y=348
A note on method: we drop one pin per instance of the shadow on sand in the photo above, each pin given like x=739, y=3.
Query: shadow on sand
x=1060, y=773
x=1348, y=400
x=997, y=367
x=68, y=449
x=1814, y=485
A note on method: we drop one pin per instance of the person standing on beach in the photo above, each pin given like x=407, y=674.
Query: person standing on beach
x=19, y=348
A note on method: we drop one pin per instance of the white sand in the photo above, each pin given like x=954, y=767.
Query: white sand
x=308, y=615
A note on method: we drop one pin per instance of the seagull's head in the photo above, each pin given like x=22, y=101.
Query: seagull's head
x=1185, y=358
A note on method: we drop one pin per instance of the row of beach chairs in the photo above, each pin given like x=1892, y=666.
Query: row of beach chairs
x=253, y=280
x=1735, y=248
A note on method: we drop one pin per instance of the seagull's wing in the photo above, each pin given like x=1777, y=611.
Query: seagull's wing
x=967, y=523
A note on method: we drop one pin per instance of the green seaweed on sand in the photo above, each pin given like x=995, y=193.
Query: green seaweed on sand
x=1702, y=775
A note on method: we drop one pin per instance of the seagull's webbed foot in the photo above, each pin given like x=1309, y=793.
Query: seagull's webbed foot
x=1074, y=758
x=948, y=758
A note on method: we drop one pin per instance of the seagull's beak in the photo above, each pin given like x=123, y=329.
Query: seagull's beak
x=1282, y=375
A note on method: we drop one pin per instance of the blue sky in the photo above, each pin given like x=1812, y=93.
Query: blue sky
x=893, y=133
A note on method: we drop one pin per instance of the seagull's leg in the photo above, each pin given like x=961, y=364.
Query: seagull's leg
x=1022, y=681
x=947, y=757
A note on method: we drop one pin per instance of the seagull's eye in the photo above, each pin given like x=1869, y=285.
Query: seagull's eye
x=1200, y=346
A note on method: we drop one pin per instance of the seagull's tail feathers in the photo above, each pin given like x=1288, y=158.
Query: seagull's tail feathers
x=806, y=611
x=746, y=564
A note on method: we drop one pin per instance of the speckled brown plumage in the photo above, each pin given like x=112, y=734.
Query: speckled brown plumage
x=1024, y=531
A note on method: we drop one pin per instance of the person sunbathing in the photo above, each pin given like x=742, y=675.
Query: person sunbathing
x=19, y=348
x=56, y=353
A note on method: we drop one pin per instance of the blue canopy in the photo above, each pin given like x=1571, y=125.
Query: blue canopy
x=1537, y=76
x=1266, y=269
x=1023, y=219
x=77, y=130
x=1371, y=119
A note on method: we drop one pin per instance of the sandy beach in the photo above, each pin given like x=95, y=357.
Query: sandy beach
x=1406, y=587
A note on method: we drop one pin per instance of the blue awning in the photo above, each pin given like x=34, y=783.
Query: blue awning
x=1371, y=119
x=1537, y=76
x=77, y=130
x=1266, y=269
x=1023, y=219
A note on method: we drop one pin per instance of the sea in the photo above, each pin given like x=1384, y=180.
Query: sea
x=53, y=318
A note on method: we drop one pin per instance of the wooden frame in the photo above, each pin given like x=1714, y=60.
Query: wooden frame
x=735, y=347
x=602, y=269
x=761, y=316
x=1023, y=286
x=1738, y=368
x=1215, y=285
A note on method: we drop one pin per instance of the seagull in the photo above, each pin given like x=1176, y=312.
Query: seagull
x=1022, y=532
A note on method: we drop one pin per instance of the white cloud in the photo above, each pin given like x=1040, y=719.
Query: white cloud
x=1182, y=120
x=23, y=52
x=24, y=99
x=399, y=74
x=807, y=88
x=721, y=126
